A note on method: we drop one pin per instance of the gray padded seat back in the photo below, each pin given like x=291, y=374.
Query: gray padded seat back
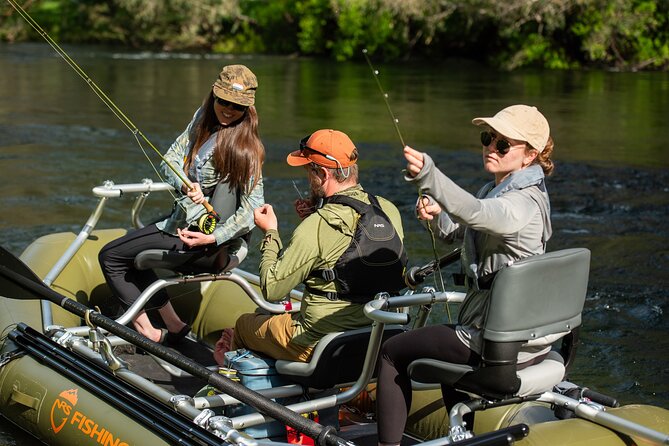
x=538, y=296
x=338, y=358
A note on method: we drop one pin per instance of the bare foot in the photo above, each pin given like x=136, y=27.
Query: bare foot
x=223, y=345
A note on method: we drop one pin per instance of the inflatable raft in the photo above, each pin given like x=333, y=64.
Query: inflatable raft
x=70, y=374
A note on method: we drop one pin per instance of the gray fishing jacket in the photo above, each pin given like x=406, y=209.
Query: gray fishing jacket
x=502, y=224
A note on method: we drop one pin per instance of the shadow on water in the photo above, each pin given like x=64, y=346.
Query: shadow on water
x=610, y=192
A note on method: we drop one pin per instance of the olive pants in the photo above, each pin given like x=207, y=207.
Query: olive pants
x=270, y=335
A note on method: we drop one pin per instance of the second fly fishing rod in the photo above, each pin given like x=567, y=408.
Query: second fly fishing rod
x=207, y=222
x=437, y=263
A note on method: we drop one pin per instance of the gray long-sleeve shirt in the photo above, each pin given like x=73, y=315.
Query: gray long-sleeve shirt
x=500, y=225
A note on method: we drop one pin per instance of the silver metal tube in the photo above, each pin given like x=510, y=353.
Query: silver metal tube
x=373, y=311
x=231, y=435
x=52, y=275
x=330, y=400
x=235, y=277
x=107, y=190
x=244, y=284
x=223, y=399
x=143, y=298
x=253, y=279
x=137, y=209
x=408, y=300
x=253, y=419
x=111, y=190
x=457, y=412
x=598, y=415
x=80, y=346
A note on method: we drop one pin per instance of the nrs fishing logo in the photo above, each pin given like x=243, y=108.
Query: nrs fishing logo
x=61, y=409
x=63, y=413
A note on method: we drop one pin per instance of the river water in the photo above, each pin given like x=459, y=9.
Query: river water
x=610, y=191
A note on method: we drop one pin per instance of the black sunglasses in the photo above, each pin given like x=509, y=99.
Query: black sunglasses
x=502, y=145
x=304, y=146
x=224, y=103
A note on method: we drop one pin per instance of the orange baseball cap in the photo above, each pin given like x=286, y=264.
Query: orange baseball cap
x=326, y=147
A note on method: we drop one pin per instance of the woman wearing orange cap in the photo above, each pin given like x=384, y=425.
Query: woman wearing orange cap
x=507, y=220
x=220, y=151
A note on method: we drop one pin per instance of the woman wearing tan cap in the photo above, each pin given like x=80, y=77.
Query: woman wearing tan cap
x=220, y=147
x=507, y=220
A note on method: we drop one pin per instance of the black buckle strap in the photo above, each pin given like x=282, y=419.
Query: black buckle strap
x=329, y=295
x=328, y=274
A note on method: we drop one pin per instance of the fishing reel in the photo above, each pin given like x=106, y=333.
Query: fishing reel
x=207, y=222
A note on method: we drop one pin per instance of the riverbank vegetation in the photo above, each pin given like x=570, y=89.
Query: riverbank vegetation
x=557, y=34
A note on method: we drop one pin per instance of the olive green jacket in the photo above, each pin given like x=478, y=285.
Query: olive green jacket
x=317, y=243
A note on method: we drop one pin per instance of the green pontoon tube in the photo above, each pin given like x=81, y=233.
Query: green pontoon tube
x=68, y=374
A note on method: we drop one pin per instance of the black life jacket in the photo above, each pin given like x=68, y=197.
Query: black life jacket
x=375, y=260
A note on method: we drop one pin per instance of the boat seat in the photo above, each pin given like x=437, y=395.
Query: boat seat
x=196, y=266
x=337, y=359
x=213, y=260
x=534, y=301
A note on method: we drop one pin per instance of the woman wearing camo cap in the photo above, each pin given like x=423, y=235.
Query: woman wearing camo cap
x=219, y=147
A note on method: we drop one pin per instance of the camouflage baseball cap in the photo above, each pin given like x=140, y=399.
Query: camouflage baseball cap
x=236, y=83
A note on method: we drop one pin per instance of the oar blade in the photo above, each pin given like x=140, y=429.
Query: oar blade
x=9, y=264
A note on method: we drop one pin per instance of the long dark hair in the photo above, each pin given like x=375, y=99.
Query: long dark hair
x=239, y=152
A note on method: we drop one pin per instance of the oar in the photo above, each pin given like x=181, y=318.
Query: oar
x=17, y=281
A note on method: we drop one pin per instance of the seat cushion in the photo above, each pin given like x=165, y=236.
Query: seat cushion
x=534, y=379
x=543, y=376
x=215, y=259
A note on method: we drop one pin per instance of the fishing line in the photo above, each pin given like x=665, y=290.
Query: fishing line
x=385, y=96
x=396, y=121
x=207, y=222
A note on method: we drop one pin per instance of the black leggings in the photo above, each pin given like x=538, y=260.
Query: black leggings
x=394, y=385
x=117, y=261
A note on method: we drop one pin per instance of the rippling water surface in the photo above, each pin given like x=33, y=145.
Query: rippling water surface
x=610, y=192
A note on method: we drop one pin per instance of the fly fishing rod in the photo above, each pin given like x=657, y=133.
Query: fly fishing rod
x=207, y=222
x=384, y=95
x=396, y=121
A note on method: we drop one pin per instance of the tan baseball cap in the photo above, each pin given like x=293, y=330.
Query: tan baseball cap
x=236, y=83
x=326, y=147
x=521, y=122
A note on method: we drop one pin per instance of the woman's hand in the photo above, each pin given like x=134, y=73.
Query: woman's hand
x=195, y=238
x=414, y=161
x=195, y=193
x=427, y=208
x=265, y=218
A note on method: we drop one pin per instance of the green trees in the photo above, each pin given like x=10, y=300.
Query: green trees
x=558, y=34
